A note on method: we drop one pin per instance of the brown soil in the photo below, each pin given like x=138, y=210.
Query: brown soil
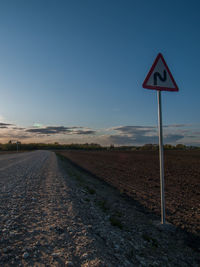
x=136, y=173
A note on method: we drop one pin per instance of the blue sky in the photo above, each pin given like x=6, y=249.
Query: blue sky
x=80, y=64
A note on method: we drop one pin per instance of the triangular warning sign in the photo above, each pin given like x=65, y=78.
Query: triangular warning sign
x=160, y=77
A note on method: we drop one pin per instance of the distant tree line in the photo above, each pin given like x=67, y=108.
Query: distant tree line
x=54, y=146
x=10, y=146
x=154, y=147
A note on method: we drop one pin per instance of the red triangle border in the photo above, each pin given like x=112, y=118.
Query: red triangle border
x=144, y=85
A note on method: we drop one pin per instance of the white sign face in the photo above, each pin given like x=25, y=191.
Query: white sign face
x=160, y=77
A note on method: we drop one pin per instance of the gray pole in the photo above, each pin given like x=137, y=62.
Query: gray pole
x=162, y=189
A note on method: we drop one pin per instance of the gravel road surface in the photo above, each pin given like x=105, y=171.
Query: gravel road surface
x=52, y=214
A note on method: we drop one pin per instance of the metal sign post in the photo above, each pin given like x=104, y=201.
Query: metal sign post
x=161, y=155
x=160, y=78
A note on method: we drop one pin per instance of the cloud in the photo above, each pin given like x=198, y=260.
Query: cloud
x=135, y=130
x=85, y=132
x=5, y=125
x=173, y=138
x=51, y=130
x=138, y=135
x=18, y=128
x=136, y=139
x=132, y=128
x=176, y=125
x=118, y=135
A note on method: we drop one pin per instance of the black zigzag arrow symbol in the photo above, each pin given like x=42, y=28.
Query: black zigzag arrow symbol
x=157, y=75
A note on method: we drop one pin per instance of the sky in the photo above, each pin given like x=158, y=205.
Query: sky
x=72, y=71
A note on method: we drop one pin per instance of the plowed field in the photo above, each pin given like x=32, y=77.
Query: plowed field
x=136, y=173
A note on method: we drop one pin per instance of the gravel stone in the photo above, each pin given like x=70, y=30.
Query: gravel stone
x=25, y=255
x=47, y=211
x=69, y=264
x=5, y=250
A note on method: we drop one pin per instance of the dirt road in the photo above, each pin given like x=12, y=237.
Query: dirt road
x=51, y=214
